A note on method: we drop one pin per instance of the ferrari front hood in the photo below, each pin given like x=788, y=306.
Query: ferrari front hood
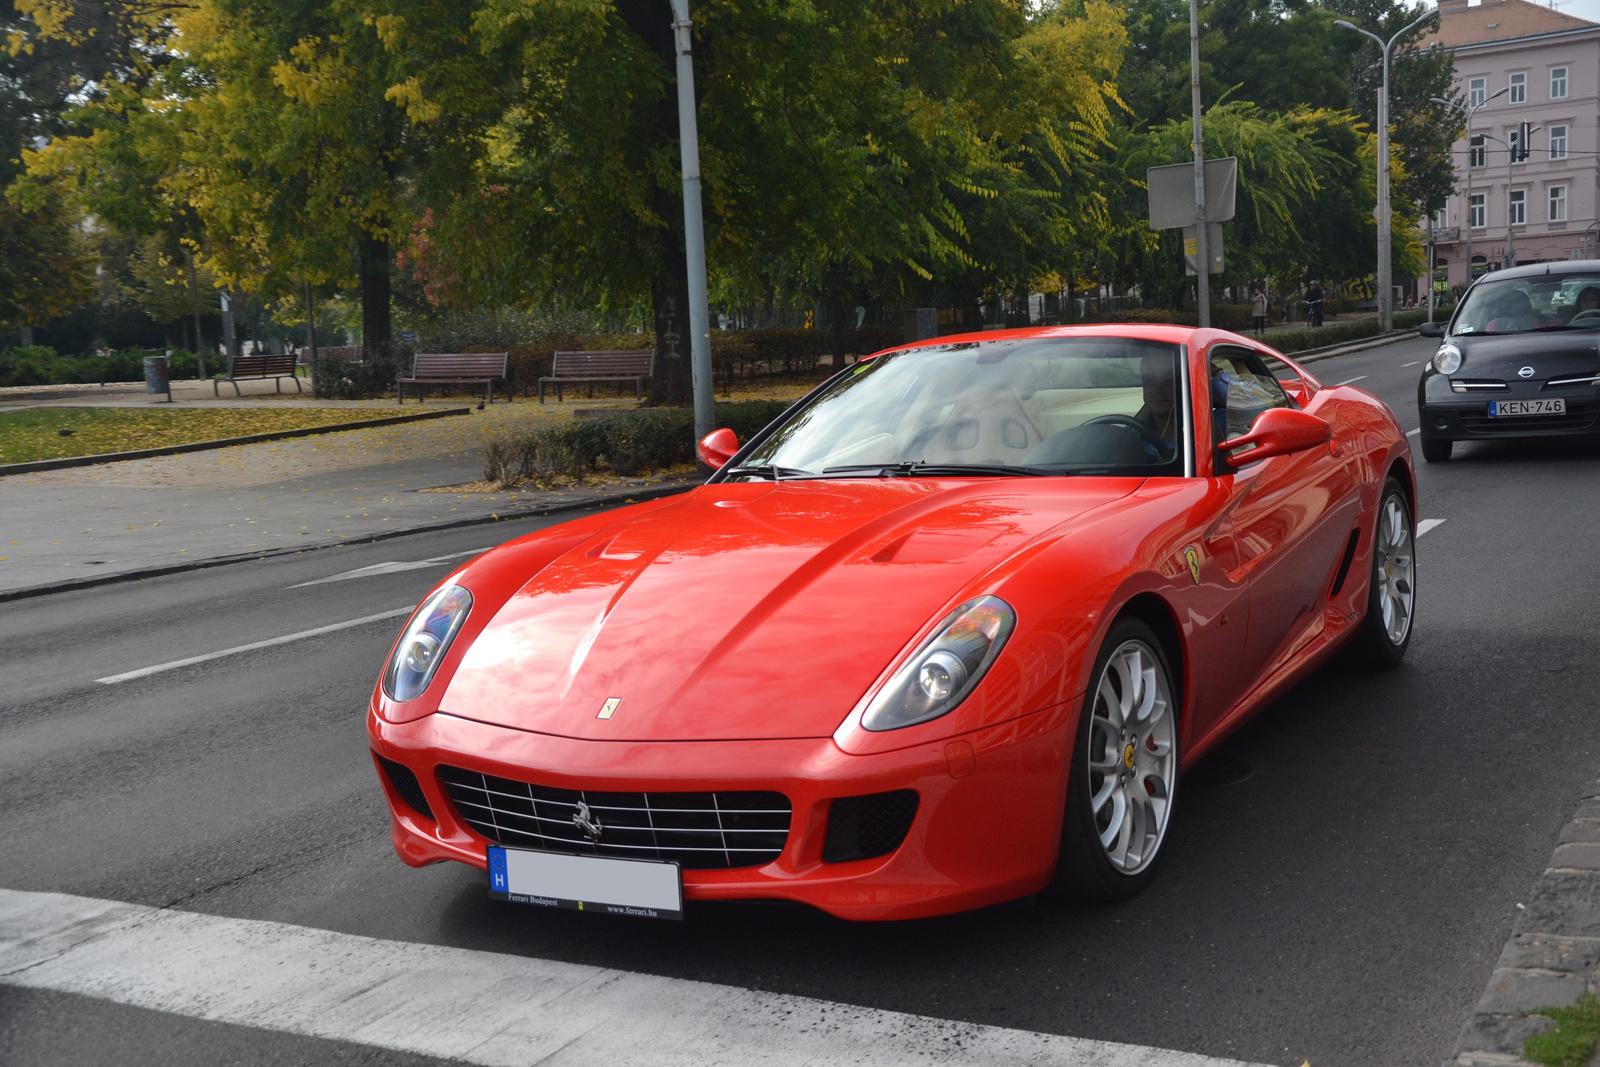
x=747, y=610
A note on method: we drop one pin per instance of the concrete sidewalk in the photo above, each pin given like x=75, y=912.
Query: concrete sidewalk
x=85, y=523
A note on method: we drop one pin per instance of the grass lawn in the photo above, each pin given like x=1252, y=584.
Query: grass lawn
x=33, y=434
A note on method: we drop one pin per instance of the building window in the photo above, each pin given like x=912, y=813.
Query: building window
x=1475, y=211
x=1519, y=89
x=1477, y=89
x=1558, y=203
x=1518, y=207
x=1438, y=219
x=1476, y=155
x=1558, y=83
x=1513, y=142
x=1558, y=142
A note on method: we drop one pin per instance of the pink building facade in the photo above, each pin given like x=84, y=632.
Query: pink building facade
x=1543, y=208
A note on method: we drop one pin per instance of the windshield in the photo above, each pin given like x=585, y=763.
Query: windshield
x=1050, y=405
x=1518, y=305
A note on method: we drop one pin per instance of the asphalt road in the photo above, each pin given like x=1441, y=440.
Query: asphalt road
x=1342, y=904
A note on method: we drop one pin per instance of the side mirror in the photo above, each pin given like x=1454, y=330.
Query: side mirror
x=1431, y=329
x=1277, y=432
x=717, y=447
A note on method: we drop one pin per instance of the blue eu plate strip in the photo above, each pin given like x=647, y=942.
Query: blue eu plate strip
x=498, y=882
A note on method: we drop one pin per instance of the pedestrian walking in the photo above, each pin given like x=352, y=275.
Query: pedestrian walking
x=1258, y=311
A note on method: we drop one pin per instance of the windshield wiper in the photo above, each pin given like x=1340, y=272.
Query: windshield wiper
x=767, y=470
x=914, y=468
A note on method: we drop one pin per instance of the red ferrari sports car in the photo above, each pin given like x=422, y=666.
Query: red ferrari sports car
x=943, y=635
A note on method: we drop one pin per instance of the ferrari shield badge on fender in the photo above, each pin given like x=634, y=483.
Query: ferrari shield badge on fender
x=609, y=708
x=1192, y=554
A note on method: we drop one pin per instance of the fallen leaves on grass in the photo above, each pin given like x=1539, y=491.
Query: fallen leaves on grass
x=35, y=434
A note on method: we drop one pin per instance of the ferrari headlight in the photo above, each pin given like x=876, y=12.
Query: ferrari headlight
x=947, y=667
x=1447, y=360
x=423, y=644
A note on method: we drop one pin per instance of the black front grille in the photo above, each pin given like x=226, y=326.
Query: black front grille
x=860, y=828
x=1580, y=415
x=405, y=783
x=698, y=830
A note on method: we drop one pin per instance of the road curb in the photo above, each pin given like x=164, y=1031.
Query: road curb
x=74, y=584
x=34, y=466
x=1313, y=355
x=1554, y=950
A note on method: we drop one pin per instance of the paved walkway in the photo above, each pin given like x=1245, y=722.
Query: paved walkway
x=84, y=522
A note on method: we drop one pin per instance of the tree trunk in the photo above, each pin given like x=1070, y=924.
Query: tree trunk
x=375, y=317
x=199, y=335
x=673, y=384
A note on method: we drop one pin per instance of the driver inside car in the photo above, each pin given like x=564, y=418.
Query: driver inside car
x=1160, y=411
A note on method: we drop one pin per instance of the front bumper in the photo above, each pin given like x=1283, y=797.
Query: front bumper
x=1451, y=416
x=987, y=827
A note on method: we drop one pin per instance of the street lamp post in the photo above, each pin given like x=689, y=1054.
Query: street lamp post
x=1470, y=113
x=1202, y=274
x=694, y=235
x=1385, y=285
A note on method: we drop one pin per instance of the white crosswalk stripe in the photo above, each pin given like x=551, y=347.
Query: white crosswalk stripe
x=482, y=1007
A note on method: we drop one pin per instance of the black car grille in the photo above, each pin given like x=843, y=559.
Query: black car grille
x=700, y=831
x=1580, y=414
x=860, y=828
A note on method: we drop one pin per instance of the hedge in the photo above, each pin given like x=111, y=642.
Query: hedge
x=625, y=444
x=40, y=365
x=1320, y=336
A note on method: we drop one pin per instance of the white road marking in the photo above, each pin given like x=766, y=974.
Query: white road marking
x=252, y=646
x=1352, y=381
x=483, y=1007
x=1427, y=524
x=1413, y=363
x=390, y=568
x=1414, y=433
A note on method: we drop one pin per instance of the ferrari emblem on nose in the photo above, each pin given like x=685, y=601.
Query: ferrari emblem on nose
x=609, y=708
x=585, y=821
x=1192, y=554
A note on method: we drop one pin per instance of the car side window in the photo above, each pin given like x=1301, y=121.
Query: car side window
x=1241, y=389
x=1287, y=377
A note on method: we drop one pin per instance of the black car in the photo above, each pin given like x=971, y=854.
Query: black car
x=1520, y=358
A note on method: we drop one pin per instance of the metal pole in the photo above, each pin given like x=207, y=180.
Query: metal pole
x=311, y=336
x=1385, y=284
x=1511, y=238
x=1431, y=258
x=1471, y=114
x=1202, y=272
x=199, y=342
x=694, y=237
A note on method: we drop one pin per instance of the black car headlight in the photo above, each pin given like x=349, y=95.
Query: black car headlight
x=1447, y=360
x=424, y=642
x=945, y=668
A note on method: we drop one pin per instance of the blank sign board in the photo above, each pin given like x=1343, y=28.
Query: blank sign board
x=1172, y=193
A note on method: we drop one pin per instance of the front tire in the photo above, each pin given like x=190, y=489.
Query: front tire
x=1392, y=593
x=1124, y=774
x=1436, y=450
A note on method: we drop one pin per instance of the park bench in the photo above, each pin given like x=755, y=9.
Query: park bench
x=622, y=365
x=455, y=368
x=243, y=368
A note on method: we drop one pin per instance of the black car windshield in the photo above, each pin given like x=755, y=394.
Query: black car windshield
x=1030, y=406
x=1522, y=305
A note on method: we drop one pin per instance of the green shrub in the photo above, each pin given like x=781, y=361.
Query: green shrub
x=625, y=443
x=340, y=379
x=40, y=365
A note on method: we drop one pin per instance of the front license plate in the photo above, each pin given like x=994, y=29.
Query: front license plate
x=646, y=888
x=1503, y=408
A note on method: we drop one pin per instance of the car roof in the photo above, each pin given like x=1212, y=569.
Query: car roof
x=1142, y=331
x=1540, y=270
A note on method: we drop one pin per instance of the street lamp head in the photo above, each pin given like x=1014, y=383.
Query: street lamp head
x=1503, y=90
x=1343, y=25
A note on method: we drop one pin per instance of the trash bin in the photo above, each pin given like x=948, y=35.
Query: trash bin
x=156, y=379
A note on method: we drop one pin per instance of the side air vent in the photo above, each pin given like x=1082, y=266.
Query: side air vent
x=860, y=828
x=406, y=785
x=1344, y=564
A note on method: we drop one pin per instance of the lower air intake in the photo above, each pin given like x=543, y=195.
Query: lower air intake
x=860, y=828
x=700, y=831
x=406, y=785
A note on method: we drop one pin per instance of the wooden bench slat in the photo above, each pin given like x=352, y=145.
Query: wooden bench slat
x=269, y=365
x=455, y=368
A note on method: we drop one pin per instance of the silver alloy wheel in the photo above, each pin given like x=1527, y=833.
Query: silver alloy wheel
x=1394, y=567
x=1133, y=765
